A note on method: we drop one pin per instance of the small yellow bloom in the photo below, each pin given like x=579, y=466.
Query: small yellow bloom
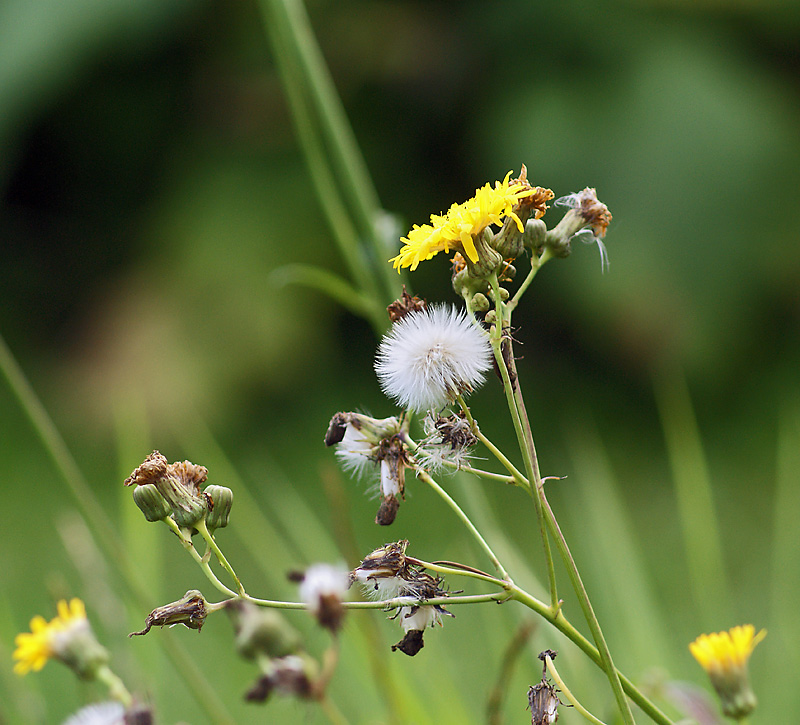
x=45, y=639
x=726, y=651
x=724, y=657
x=462, y=223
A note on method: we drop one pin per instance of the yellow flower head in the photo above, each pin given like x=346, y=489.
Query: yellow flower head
x=726, y=651
x=46, y=639
x=463, y=222
x=724, y=657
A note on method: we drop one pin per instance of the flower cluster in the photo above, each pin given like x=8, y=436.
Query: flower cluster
x=458, y=228
x=176, y=490
x=386, y=574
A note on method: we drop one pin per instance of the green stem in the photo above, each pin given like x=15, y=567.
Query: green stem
x=116, y=687
x=536, y=264
x=206, y=534
x=464, y=519
x=187, y=544
x=545, y=516
x=551, y=668
x=562, y=624
x=524, y=440
x=517, y=477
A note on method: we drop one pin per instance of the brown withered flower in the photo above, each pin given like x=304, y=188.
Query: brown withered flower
x=190, y=610
x=406, y=304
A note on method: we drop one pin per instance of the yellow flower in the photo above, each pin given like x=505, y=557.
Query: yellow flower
x=462, y=223
x=46, y=639
x=724, y=657
x=725, y=651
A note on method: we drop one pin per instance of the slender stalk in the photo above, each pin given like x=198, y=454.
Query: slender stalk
x=524, y=441
x=457, y=571
x=116, y=687
x=518, y=478
x=536, y=264
x=202, y=561
x=464, y=519
x=206, y=534
x=551, y=668
x=516, y=406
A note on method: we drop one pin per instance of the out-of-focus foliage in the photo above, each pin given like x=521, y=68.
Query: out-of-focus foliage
x=151, y=183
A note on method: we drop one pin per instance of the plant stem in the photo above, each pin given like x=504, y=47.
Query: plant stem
x=501, y=346
x=516, y=406
x=116, y=687
x=551, y=668
x=518, y=478
x=465, y=520
x=206, y=534
x=187, y=544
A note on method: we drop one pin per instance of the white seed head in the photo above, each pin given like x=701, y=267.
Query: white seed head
x=432, y=355
x=322, y=581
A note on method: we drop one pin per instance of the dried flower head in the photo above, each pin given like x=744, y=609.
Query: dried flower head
x=430, y=357
x=190, y=610
x=724, y=656
x=323, y=588
x=458, y=228
x=372, y=447
x=448, y=442
x=406, y=304
x=386, y=574
x=589, y=212
x=67, y=638
x=382, y=572
x=180, y=484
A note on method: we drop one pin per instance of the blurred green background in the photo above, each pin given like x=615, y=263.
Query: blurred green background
x=151, y=182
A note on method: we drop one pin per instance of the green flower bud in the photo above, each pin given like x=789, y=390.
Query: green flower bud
x=479, y=302
x=533, y=237
x=221, y=502
x=151, y=502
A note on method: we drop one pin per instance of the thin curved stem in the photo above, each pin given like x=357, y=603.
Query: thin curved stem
x=551, y=668
x=465, y=520
x=474, y=574
x=518, y=478
x=116, y=687
x=206, y=534
x=187, y=544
